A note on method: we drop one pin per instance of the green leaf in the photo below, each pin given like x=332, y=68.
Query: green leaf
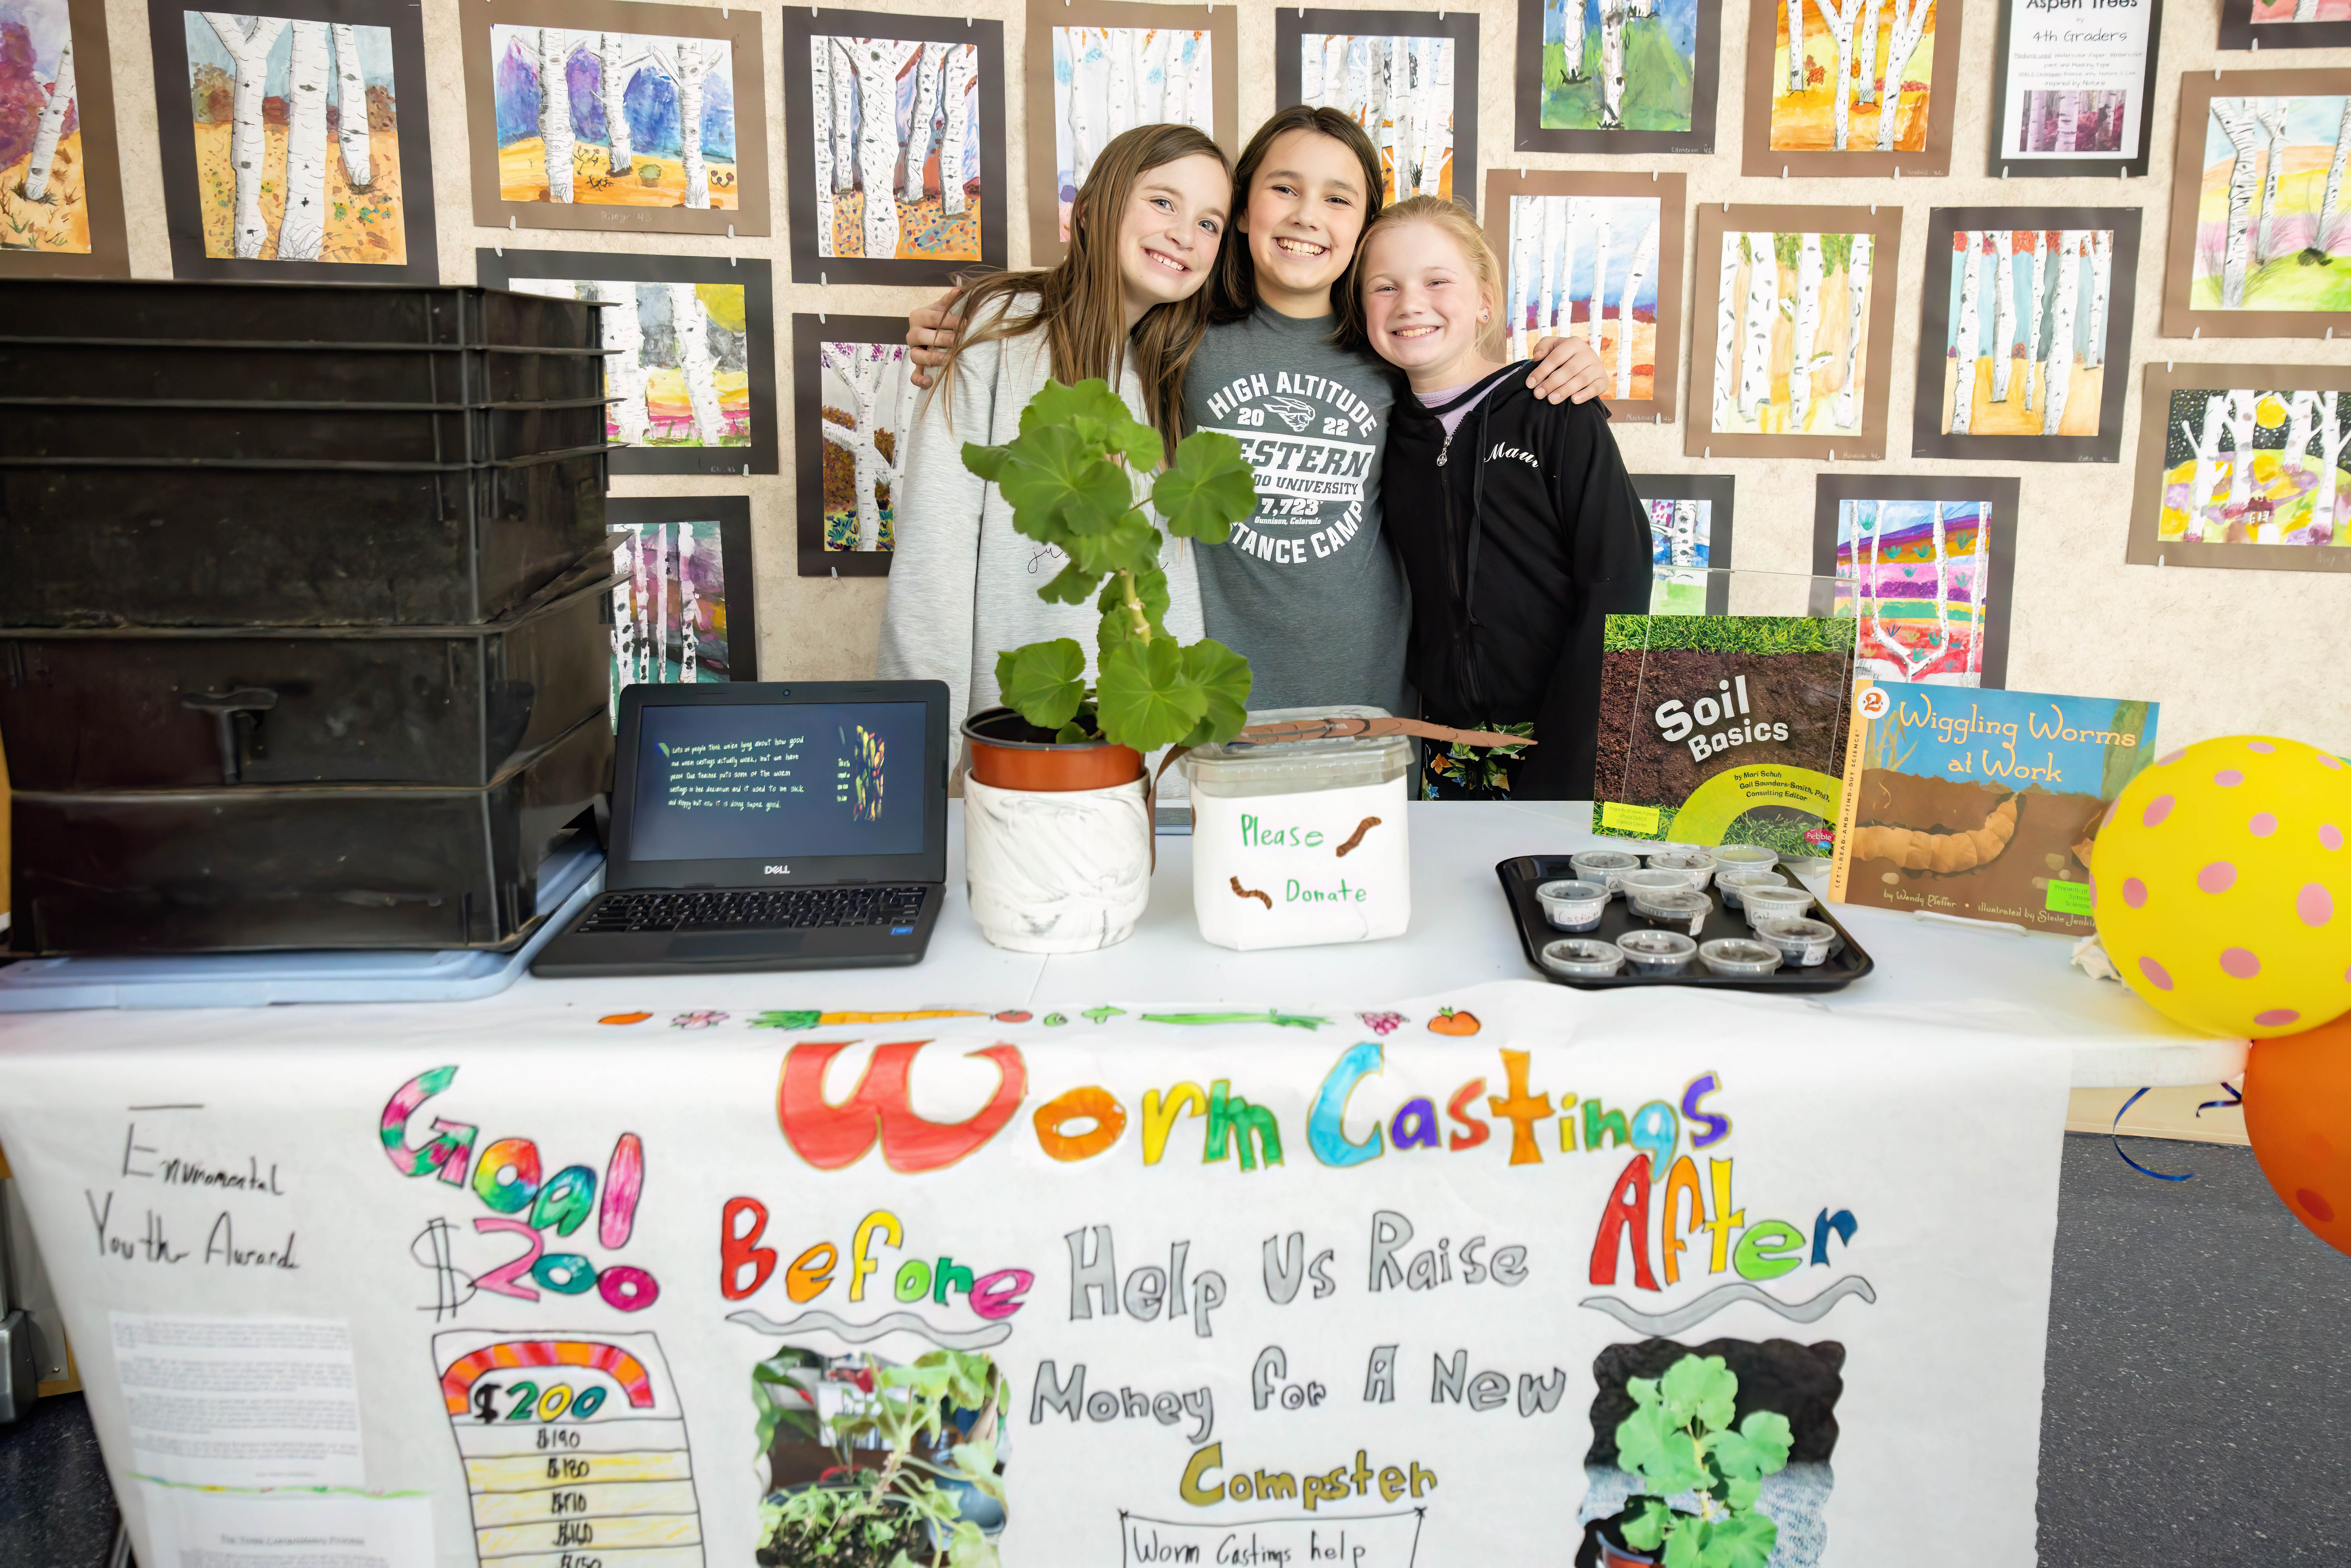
x=1743, y=1541
x=1070, y=585
x=987, y=462
x=1644, y=1532
x=1650, y=1442
x=1150, y=586
x=1703, y=1386
x=1223, y=677
x=1766, y=1439
x=1685, y=1547
x=1059, y=484
x=1044, y=682
x=1071, y=733
x=1742, y=1494
x=1208, y=488
x=1089, y=409
x=1143, y=700
x=1125, y=542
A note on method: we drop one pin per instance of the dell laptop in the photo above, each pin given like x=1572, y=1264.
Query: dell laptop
x=777, y=825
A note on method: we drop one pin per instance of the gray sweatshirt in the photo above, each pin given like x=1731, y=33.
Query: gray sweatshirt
x=963, y=584
x=1306, y=589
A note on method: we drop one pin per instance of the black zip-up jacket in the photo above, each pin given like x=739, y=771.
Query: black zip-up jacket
x=1518, y=537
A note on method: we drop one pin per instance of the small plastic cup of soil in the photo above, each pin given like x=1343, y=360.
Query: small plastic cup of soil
x=1654, y=954
x=1695, y=864
x=1583, y=958
x=1737, y=958
x=1572, y=905
x=1605, y=867
x=1731, y=881
x=1682, y=908
x=1729, y=855
x=1802, y=943
x=1638, y=884
x=1773, y=903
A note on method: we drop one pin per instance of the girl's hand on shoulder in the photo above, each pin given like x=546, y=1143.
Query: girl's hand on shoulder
x=931, y=332
x=1566, y=370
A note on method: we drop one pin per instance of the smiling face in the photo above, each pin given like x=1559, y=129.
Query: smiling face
x=1424, y=306
x=1307, y=206
x=1169, y=232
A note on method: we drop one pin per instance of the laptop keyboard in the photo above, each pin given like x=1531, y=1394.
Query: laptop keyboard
x=755, y=909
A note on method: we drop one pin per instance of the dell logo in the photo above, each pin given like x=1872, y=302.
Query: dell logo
x=779, y=871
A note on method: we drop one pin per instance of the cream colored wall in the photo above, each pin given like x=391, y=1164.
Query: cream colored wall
x=2221, y=651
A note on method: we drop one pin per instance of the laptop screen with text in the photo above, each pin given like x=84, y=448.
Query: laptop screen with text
x=778, y=780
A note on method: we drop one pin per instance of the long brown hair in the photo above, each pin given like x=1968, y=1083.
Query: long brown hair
x=1080, y=304
x=1454, y=219
x=1233, y=288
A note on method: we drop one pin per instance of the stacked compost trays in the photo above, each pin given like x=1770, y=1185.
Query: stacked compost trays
x=303, y=599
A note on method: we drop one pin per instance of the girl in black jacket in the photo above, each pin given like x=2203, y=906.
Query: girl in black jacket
x=1517, y=527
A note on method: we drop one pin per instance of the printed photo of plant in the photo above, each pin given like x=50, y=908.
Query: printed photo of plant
x=1591, y=260
x=1916, y=574
x=868, y=1462
x=678, y=359
x=669, y=611
x=614, y=119
x=1107, y=81
x=43, y=205
x=1400, y=90
x=1853, y=75
x=867, y=404
x=900, y=119
x=1680, y=556
x=2028, y=332
x=297, y=135
x=2072, y=122
x=2244, y=466
x=1792, y=331
x=2269, y=228
x=1611, y=64
x=2302, y=10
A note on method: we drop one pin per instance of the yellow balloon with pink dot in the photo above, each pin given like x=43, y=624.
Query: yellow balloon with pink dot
x=2220, y=881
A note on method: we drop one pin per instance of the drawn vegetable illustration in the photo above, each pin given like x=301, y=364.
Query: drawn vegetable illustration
x=1454, y=1021
x=1679, y=1438
x=1943, y=853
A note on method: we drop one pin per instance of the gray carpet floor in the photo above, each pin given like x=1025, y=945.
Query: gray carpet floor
x=2200, y=1357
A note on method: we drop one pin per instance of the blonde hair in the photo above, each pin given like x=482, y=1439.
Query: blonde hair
x=1466, y=236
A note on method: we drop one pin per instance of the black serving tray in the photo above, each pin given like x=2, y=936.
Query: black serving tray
x=1522, y=873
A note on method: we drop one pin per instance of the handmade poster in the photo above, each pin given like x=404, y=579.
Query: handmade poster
x=1722, y=729
x=683, y=610
x=690, y=352
x=1804, y=335
x=896, y=146
x=2025, y=309
x=616, y=115
x=2285, y=24
x=1982, y=805
x=1617, y=76
x=853, y=409
x=1689, y=533
x=294, y=145
x=2259, y=247
x=1104, y=67
x=60, y=184
x=1597, y=257
x=2074, y=88
x=1927, y=566
x=724, y=1271
x=1408, y=77
x=2243, y=466
x=1849, y=88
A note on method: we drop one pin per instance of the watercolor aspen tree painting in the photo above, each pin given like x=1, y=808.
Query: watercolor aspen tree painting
x=1587, y=266
x=902, y=118
x=1679, y=556
x=2080, y=122
x=676, y=359
x=1792, y=333
x=1107, y=81
x=614, y=119
x=2251, y=466
x=1612, y=65
x=1916, y=574
x=1400, y=90
x=43, y=205
x=297, y=135
x=2270, y=234
x=669, y=609
x=866, y=406
x=1852, y=76
x=2028, y=327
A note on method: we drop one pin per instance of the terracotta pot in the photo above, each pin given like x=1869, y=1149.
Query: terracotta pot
x=1008, y=752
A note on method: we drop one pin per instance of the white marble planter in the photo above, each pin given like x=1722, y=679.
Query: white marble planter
x=1056, y=871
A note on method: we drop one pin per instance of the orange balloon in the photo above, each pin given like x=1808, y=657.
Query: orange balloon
x=2297, y=1094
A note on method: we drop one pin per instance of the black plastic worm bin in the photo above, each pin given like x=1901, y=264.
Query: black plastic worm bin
x=148, y=708
x=301, y=866
x=120, y=429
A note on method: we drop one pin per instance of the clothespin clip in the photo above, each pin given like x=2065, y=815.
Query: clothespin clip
x=511, y=226
x=2198, y=333
x=730, y=230
x=2003, y=171
x=1783, y=170
x=819, y=318
x=500, y=249
x=1898, y=171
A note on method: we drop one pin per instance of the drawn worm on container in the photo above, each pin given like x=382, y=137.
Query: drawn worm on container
x=1240, y=892
x=1913, y=849
x=1356, y=838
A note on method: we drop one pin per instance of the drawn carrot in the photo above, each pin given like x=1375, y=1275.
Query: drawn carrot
x=1366, y=826
x=1240, y=892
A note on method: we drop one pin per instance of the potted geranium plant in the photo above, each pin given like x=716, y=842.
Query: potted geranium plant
x=1056, y=825
x=1680, y=1440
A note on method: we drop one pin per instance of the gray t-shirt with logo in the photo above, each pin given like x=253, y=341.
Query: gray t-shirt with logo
x=1305, y=589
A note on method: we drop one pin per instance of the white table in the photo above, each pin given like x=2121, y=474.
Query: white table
x=1927, y=973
